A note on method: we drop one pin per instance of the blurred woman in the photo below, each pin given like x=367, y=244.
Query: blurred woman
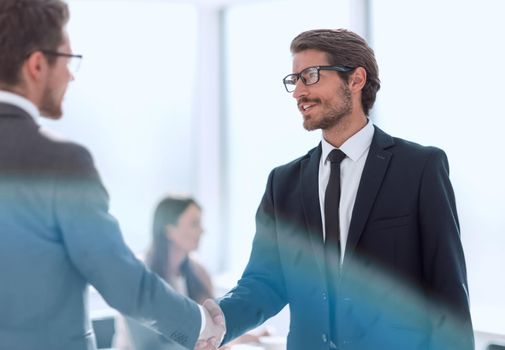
x=177, y=229
x=176, y=232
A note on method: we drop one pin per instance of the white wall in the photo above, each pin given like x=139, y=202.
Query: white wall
x=131, y=103
x=442, y=72
x=264, y=127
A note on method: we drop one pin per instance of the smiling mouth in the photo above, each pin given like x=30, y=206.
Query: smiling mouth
x=305, y=107
x=305, y=104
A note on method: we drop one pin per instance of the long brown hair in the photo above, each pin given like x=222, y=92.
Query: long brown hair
x=168, y=212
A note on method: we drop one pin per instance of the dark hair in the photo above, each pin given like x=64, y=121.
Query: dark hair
x=344, y=48
x=27, y=26
x=167, y=212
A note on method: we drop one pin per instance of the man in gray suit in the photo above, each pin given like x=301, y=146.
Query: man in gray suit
x=56, y=234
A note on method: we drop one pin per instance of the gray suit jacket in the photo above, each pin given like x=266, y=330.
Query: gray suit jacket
x=56, y=236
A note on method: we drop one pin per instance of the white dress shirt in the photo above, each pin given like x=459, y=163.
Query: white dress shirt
x=356, y=149
x=19, y=101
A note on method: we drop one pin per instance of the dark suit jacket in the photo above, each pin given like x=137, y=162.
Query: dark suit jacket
x=402, y=284
x=56, y=236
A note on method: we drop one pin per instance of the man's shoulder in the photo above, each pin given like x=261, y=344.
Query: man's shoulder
x=402, y=146
x=63, y=155
x=36, y=150
x=295, y=163
x=61, y=145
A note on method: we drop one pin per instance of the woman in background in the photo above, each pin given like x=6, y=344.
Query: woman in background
x=177, y=229
x=176, y=232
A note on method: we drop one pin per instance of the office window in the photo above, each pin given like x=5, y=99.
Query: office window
x=263, y=126
x=130, y=103
x=442, y=84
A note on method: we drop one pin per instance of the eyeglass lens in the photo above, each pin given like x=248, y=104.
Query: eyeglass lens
x=309, y=76
x=73, y=64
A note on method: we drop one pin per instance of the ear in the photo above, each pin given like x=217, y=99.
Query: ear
x=357, y=80
x=35, y=67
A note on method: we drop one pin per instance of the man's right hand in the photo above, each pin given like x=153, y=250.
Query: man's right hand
x=215, y=327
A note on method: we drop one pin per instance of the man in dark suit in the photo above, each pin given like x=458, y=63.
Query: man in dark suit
x=360, y=237
x=56, y=234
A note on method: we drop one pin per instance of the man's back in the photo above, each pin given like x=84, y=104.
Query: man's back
x=42, y=294
x=56, y=235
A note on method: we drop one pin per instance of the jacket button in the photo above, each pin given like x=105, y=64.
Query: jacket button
x=325, y=296
x=324, y=338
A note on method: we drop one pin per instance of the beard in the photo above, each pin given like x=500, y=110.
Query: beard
x=50, y=106
x=331, y=114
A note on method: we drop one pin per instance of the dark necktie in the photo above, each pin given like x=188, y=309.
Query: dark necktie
x=332, y=242
x=332, y=201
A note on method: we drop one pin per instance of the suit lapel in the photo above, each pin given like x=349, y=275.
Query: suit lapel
x=371, y=180
x=311, y=207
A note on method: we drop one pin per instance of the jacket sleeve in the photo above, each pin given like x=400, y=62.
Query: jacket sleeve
x=96, y=248
x=260, y=293
x=443, y=258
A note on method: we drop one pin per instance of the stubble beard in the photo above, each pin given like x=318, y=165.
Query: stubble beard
x=333, y=114
x=50, y=107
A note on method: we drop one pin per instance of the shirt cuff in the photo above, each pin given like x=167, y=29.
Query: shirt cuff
x=204, y=322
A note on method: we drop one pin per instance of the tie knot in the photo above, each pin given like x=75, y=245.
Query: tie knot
x=336, y=156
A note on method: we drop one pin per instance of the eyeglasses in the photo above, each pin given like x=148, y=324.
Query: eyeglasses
x=309, y=76
x=73, y=61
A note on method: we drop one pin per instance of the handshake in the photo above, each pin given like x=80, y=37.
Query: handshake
x=215, y=327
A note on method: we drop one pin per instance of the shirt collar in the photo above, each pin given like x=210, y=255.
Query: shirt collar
x=355, y=146
x=20, y=102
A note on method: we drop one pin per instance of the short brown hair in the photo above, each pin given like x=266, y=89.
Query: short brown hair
x=27, y=26
x=344, y=48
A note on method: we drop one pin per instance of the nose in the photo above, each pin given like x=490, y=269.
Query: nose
x=300, y=90
x=71, y=76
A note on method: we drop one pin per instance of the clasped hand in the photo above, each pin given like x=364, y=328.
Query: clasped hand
x=215, y=327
